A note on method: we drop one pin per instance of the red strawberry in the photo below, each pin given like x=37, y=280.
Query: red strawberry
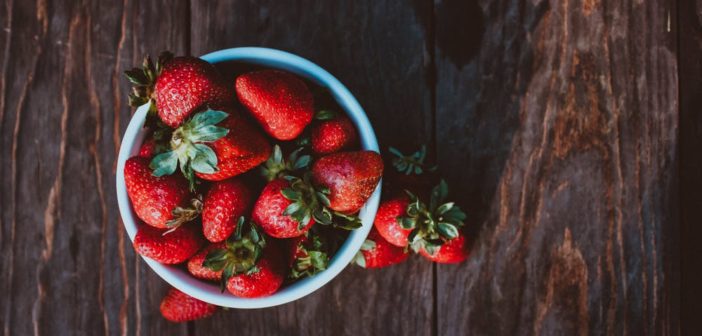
x=451, y=252
x=243, y=148
x=333, y=134
x=177, y=306
x=224, y=204
x=250, y=266
x=263, y=280
x=272, y=214
x=387, y=221
x=435, y=228
x=351, y=178
x=376, y=252
x=148, y=148
x=307, y=256
x=167, y=247
x=280, y=101
x=179, y=86
x=155, y=199
x=214, y=145
x=199, y=271
x=296, y=248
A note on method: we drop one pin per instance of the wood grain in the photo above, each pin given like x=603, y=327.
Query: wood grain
x=566, y=128
x=66, y=265
x=376, y=49
x=690, y=70
x=561, y=130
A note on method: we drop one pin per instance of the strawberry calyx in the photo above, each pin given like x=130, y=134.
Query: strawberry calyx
x=276, y=166
x=434, y=224
x=311, y=202
x=144, y=80
x=311, y=258
x=412, y=163
x=359, y=259
x=182, y=215
x=188, y=149
x=240, y=255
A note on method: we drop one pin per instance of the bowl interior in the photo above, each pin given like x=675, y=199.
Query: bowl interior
x=181, y=279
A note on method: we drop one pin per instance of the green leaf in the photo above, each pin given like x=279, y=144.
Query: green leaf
x=136, y=76
x=396, y=152
x=323, y=216
x=323, y=198
x=368, y=245
x=207, y=157
x=413, y=209
x=302, y=162
x=164, y=164
x=325, y=115
x=430, y=248
x=207, y=133
x=444, y=208
x=277, y=155
x=407, y=222
x=305, y=220
x=413, y=236
x=291, y=194
x=359, y=259
x=292, y=208
x=208, y=117
x=455, y=215
x=447, y=230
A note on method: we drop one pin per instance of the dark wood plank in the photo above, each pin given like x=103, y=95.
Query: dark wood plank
x=67, y=264
x=376, y=49
x=559, y=125
x=690, y=69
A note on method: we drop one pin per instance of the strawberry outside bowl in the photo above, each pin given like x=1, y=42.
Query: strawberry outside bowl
x=208, y=292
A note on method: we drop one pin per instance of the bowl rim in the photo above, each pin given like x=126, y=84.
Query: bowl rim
x=182, y=280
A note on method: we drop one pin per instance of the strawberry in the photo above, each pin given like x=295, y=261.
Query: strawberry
x=199, y=271
x=177, y=306
x=281, y=102
x=387, y=221
x=351, y=177
x=159, y=201
x=279, y=216
x=308, y=256
x=376, y=252
x=451, y=252
x=435, y=226
x=167, y=247
x=334, y=133
x=241, y=150
x=250, y=266
x=179, y=86
x=214, y=145
x=225, y=203
x=148, y=148
x=262, y=280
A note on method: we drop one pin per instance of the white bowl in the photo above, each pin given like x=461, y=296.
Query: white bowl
x=209, y=292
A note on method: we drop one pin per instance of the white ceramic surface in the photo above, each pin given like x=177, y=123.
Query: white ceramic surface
x=208, y=292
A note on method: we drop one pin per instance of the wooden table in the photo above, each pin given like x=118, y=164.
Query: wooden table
x=568, y=129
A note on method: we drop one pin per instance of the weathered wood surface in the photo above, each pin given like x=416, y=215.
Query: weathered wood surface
x=556, y=123
x=690, y=70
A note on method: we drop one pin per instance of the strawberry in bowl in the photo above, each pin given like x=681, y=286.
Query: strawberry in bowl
x=207, y=196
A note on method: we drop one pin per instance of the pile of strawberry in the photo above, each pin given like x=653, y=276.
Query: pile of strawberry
x=216, y=194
